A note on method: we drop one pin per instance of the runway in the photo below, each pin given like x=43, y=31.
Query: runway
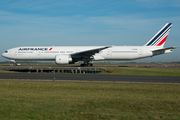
x=90, y=78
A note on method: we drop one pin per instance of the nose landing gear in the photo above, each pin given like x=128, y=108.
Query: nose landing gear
x=14, y=62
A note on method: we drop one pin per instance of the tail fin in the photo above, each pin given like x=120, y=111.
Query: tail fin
x=160, y=37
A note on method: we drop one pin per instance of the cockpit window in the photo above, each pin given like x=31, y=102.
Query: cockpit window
x=6, y=51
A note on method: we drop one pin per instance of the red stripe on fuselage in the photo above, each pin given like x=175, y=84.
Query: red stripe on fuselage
x=162, y=41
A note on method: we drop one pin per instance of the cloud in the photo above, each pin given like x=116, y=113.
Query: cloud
x=80, y=23
x=157, y=3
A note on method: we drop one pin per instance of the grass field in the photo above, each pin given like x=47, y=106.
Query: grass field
x=52, y=100
x=142, y=71
x=5, y=71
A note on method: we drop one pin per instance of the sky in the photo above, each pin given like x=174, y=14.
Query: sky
x=88, y=23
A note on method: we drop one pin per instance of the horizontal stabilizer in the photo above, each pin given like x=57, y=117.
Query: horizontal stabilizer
x=163, y=51
x=169, y=48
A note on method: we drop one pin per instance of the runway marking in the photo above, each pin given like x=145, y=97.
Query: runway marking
x=90, y=81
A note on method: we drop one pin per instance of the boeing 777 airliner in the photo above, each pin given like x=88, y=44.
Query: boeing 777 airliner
x=72, y=54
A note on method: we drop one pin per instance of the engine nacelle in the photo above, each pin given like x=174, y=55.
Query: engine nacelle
x=63, y=59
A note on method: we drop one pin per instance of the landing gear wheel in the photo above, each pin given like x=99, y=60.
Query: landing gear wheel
x=88, y=64
x=82, y=65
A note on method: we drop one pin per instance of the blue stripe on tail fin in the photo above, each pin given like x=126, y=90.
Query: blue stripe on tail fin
x=160, y=37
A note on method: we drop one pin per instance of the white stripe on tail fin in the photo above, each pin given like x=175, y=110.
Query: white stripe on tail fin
x=160, y=37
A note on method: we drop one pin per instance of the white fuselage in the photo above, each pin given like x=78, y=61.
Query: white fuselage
x=72, y=54
x=47, y=53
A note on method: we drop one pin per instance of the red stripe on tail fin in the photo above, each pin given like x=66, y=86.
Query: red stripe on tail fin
x=162, y=41
x=50, y=49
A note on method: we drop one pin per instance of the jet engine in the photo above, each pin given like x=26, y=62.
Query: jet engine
x=63, y=59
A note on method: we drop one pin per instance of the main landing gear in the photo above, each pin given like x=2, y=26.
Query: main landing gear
x=86, y=64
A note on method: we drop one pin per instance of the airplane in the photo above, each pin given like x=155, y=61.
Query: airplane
x=73, y=54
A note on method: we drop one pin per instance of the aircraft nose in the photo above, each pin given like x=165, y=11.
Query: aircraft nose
x=3, y=54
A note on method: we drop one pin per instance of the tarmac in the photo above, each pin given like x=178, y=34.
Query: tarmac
x=90, y=78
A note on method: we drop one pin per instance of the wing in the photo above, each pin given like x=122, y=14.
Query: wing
x=88, y=53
